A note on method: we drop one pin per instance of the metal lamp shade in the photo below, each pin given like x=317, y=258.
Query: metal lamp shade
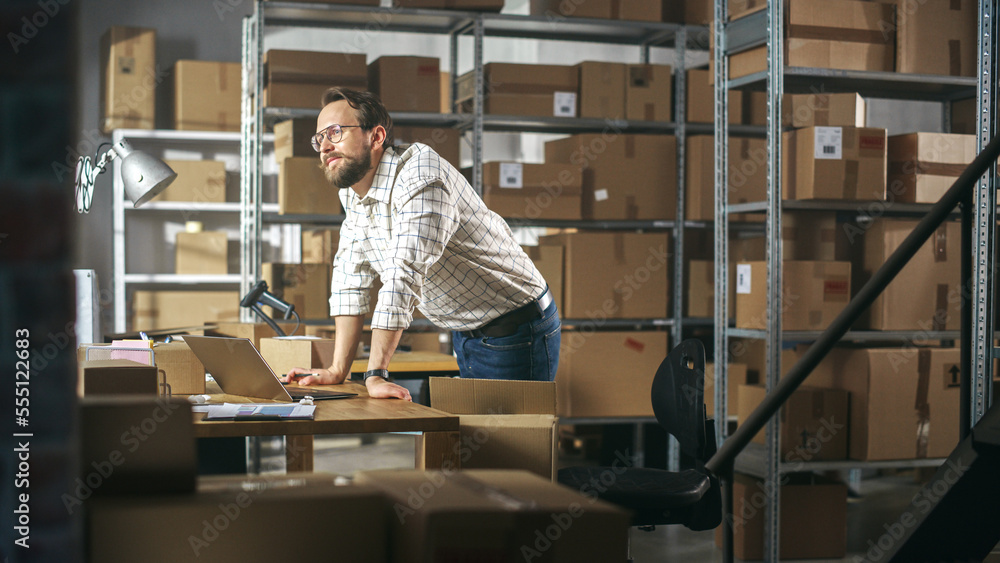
x=145, y=176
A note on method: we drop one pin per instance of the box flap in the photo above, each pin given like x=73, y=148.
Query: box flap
x=492, y=396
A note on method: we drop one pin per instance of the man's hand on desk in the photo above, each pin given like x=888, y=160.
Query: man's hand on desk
x=379, y=388
x=312, y=376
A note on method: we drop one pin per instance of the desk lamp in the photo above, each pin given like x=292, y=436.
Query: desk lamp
x=145, y=176
x=259, y=295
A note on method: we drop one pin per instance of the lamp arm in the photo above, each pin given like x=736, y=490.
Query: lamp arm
x=86, y=177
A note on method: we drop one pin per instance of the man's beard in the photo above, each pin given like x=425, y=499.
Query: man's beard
x=351, y=171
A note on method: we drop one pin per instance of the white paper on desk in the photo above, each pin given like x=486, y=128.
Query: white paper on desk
x=283, y=410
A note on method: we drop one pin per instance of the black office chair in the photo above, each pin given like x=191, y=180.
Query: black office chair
x=691, y=496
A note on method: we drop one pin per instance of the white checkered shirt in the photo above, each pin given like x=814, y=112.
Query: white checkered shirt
x=426, y=233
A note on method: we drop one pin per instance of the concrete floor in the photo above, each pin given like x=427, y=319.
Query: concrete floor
x=880, y=498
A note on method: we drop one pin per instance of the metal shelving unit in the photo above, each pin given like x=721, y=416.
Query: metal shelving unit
x=766, y=28
x=158, y=139
x=456, y=24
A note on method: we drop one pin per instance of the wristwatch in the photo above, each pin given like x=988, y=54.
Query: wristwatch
x=383, y=373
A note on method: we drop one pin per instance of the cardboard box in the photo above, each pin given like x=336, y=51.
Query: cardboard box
x=922, y=166
x=701, y=100
x=611, y=287
x=303, y=188
x=319, y=246
x=936, y=37
x=504, y=424
x=128, y=78
x=625, y=177
x=700, y=295
x=925, y=294
x=747, y=176
x=116, y=377
x=523, y=89
x=493, y=515
x=204, y=252
x=643, y=10
x=472, y=5
x=813, y=422
x=238, y=524
x=446, y=92
x=533, y=191
x=446, y=142
x=158, y=309
x=904, y=401
x=813, y=517
x=181, y=370
x=283, y=354
x=550, y=261
x=965, y=117
x=834, y=163
x=700, y=12
x=134, y=445
x=602, y=89
x=649, y=92
x=199, y=181
x=813, y=294
x=845, y=34
x=253, y=332
x=608, y=373
x=293, y=137
x=349, y=70
x=824, y=110
x=207, y=96
x=306, y=286
x=300, y=78
x=736, y=375
x=809, y=235
x=406, y=83
x=741, y=8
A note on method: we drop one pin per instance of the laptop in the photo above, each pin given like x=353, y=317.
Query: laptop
x=240, y=370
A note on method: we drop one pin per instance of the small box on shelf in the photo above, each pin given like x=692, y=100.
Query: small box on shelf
x=532, y=191
x=198, y=181
x=203, y=252
x=159, y=309
x=922, y=166
x=834, y=163
x=206, y=96
x=306, y=286
x=814, y=421
x=446, y=142
x=602, y=89
x=299, y=78
x=293, y=137
x=625, y=177
x=128, y=78
x=814, y=293
x=550, y=261
x=648, y=92
x=406, y=83
x=303, y=188
x=523, y=89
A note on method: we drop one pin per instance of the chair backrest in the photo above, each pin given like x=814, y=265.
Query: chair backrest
x=678, y=399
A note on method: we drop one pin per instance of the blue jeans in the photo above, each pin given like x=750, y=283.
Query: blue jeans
x=531, y=353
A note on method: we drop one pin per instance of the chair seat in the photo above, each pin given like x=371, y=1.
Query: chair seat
x=655, y=496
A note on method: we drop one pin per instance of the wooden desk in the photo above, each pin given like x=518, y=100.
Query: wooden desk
x=436, y=447
x=414, y=363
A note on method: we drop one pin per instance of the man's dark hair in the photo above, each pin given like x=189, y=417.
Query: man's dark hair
x=367, y=106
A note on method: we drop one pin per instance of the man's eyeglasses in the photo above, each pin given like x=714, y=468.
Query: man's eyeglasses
x=333, y=133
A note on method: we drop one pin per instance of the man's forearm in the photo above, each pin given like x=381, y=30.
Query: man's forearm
x=384, y=343
x=345, y=345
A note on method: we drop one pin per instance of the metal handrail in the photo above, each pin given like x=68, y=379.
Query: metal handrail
x=960, y=191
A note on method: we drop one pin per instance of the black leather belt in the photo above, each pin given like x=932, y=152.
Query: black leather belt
x=507, y=323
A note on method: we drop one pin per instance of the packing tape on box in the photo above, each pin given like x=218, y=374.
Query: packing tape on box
x=908, y=167
x=851, y=178
x=921, y=405
x=941, y=307
x=616, y=6
x=824, y=33
x=955, y=5
x=505, y=498
x=791, y=173
x=619, y=247
x=955, y=57
x=631, y=209
x=941, y=243
x=629, y=146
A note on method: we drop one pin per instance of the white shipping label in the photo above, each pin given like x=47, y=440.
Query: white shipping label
x=743, y=279
x=829, y=143
x=600, y=195
x=511, y=175
x=564, y=104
